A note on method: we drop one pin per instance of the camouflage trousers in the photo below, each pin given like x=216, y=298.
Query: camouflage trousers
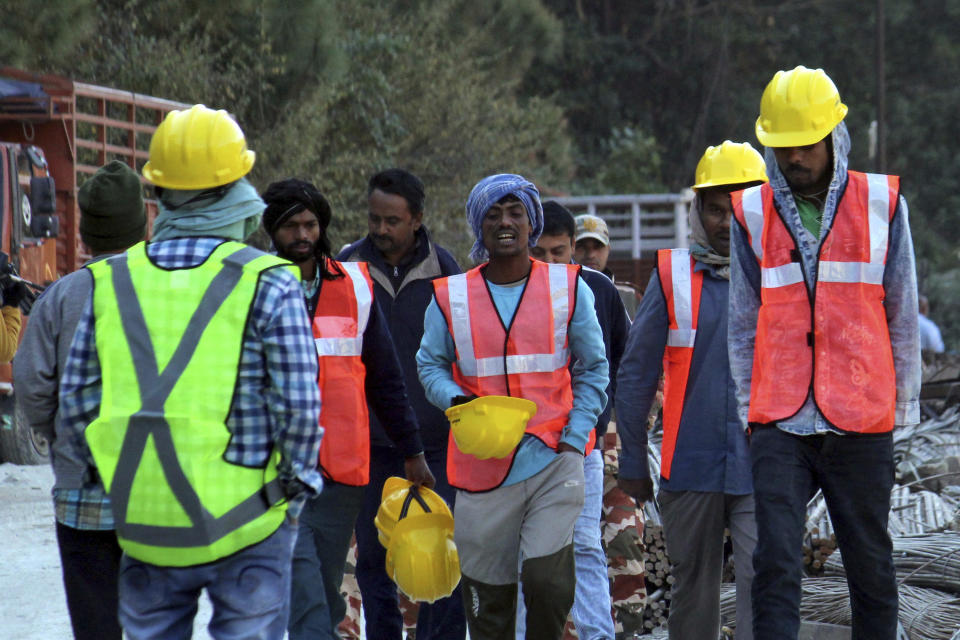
x=622, y=538
x=349, y=628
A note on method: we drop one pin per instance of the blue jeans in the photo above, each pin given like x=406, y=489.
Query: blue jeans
x=442, y=620
x=249, y=591
x=326, y=524
x=855, y=473
x=591, y=610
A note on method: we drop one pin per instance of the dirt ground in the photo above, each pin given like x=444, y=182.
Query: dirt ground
x=33, y=605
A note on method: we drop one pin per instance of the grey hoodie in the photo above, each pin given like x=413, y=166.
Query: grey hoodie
x=39, y=363
x=899, y=283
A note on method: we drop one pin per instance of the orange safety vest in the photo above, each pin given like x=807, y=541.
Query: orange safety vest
x=681, y=287
x=341, y=316
x=835, y=342
x=529, y=359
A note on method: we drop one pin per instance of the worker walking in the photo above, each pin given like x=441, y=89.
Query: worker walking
x=824, y=350
x=192, y=380
x=511, y=327
x=358, y=365
x=403, y=262
x=112, y=218
x=681, y=330
x=591, y=604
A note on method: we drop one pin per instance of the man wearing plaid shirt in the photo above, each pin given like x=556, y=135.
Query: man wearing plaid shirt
x=207, y=435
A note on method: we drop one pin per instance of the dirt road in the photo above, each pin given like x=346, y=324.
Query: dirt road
x=32, y=602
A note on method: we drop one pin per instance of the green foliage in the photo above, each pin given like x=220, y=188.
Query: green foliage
x=941, y=289
x=632, y=164
x=605, y=96
x=140, y=46
x=410, y=97
x=36, y=34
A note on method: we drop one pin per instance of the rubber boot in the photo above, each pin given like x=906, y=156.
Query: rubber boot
x=549, y=584
x=491, y=609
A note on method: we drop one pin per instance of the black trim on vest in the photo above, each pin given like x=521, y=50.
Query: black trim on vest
x=155, y=387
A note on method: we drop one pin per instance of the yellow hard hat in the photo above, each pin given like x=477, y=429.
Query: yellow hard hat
x=199, y=148
x=399, y=500
x=422, y=557
x=799, y=107
x=490, y=426
x=729, y=164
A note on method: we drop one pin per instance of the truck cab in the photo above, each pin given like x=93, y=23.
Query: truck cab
x=54, y=134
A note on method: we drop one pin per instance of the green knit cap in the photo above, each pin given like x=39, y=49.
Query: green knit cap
x=112, y=215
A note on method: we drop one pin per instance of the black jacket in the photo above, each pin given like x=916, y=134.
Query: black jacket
x=615, y=324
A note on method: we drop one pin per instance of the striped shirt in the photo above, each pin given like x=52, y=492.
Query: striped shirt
x=276, y=400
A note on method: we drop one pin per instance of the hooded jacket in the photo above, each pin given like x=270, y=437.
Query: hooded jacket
x=899, y=283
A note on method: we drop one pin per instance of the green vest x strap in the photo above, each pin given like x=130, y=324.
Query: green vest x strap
x=215, y=524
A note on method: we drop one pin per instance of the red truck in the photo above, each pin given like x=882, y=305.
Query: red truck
x=54, y=133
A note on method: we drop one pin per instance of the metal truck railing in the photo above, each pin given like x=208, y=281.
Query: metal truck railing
x=80, y=127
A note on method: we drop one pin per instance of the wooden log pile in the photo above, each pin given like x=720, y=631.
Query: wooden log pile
x=819, y=541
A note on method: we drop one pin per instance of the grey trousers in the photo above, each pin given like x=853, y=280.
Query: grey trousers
x=533, y=519
x=693, y=524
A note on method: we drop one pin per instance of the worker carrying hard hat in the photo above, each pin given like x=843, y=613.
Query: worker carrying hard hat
x=681, y=329
x=510, y=327
x=824, y=349
x=193, y=382
x=415, y=526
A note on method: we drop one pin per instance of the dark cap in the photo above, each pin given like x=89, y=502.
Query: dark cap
x=112, y=215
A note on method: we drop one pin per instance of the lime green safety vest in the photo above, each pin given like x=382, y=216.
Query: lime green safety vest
x=169, y=343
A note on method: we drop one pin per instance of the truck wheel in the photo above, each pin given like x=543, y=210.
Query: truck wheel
x=19, y=444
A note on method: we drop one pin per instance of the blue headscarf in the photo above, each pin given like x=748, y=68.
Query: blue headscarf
x=486, y=194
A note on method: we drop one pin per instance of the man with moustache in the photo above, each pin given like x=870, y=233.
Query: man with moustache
x=403, y=262
x=358, y=365
x=824, y=350
x=681, y=330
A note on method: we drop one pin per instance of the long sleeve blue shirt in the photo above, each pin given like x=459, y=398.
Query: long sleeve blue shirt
x=899, y=286
x=711, y=452
x=589, y=375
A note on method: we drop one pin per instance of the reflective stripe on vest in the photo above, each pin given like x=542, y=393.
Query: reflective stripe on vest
x=681, y=287
x=839, y=348
x=362, y=294
x=339, y=322
x=529, y=359
x=160, y=434
x=462, y=332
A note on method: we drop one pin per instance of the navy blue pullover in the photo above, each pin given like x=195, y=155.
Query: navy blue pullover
x=615, y=324
x=711, y=453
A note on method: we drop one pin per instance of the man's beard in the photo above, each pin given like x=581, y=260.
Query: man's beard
x=298, y=251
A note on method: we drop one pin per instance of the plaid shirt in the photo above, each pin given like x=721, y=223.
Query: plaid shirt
x=276, y=399
x=86, y=508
